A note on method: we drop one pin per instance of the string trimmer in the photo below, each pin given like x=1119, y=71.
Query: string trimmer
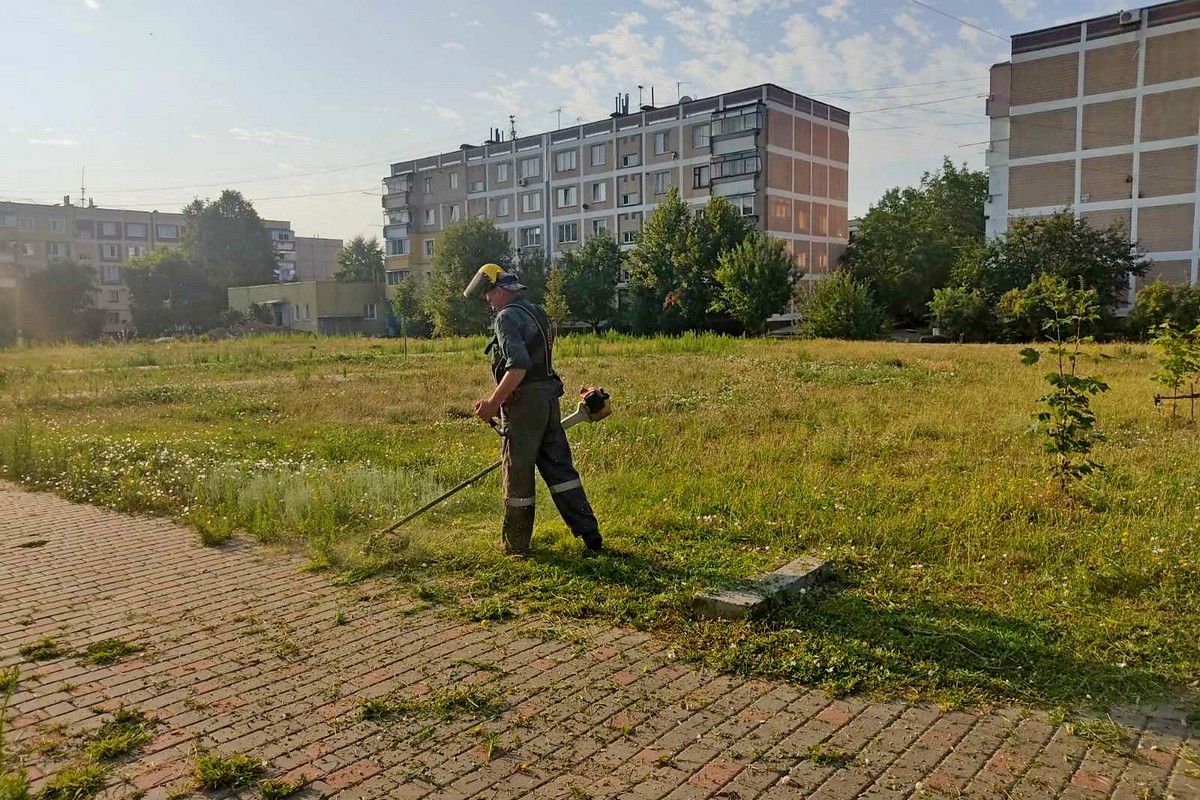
x=593, y=406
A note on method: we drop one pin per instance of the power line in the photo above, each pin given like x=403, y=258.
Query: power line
x=914, y=105
x=960, y=19
x=843, y=92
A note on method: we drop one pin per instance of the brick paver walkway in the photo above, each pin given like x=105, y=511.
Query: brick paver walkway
x=244, y=654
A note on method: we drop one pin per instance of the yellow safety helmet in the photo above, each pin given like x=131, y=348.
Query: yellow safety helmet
x=490, y=276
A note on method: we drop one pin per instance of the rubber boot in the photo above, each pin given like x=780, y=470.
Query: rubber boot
x=517, y=531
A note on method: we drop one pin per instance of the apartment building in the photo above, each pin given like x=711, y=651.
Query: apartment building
x=31, y=235
x=1103, y=116
x=315, y=259
x=780, y=157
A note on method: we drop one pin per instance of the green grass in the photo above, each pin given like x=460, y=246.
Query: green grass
x=108, y=651
x=277, y=789
x=45, y=649
x=123, y=734
x=75, y=782
x=961, y=574
x=213, y=771
x=445, y=704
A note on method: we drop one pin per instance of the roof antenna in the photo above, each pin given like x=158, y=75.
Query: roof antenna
x=82, y=184
x=512, y=126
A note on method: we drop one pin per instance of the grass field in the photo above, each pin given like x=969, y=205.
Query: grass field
x=961, y=573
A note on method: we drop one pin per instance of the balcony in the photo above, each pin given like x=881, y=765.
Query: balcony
x=397, y=231
x=741, y=120
x=395, y=201
x=397, y=183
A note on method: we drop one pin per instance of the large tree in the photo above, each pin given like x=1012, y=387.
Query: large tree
x=715, y=229
x=59, y=302
x=655, y=265
x=755, y=280
x=361, y=261
x=907, y=243
x=228, y=241
x=589, y=279
x=172, y=294
x=460, y=251
x=1059, y=245
x=409, y=311
x=534, y=268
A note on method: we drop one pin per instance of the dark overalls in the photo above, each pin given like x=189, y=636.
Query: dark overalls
x=534, y=433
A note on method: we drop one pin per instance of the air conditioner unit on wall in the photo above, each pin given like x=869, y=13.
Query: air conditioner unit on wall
x=1130, y=17
x=522, y=181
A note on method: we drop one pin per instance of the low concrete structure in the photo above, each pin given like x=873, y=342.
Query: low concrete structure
x=328, y=308
x=792, y=579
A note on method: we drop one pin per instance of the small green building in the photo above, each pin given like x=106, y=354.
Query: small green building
x=328, y=308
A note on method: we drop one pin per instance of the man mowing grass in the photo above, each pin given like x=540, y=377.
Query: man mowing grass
x=527, y=401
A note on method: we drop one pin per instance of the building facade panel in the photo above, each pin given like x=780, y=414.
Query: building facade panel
x=1108, y=124
x=1044, y=79
x=1168, y=172
x=1173, y=272
x=1043, y=133
x=1106, y=178
x=1170, y=115
x=1106, y=219
x=1038, y=185
x=1166, y=229
x=1173, y=57
x=779, y=171
x=1110, y=69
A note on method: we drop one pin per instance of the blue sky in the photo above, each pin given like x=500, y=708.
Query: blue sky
x=166, y=101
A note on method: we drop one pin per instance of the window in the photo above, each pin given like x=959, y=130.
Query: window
x=565, y=160
x=662, y=182
x=662, y=142
x=745, y=163
x=58, y=250
x=568, y=196
x=701, y=134
x=530, y=167
x=431, y=216
x=502, y=173
x=26, y=225
x=26, y=248
x=166, y=231
x=629, y=198
x=455, y=212
x=8, y=220
x=85, y=229
x=476, y=186
x=111, y=274
x=630, y=160
x=58, y=225
x=428, y=244
x=628, y=237
x=599, y=192
x=531, y=202
x=780, y=208
x=502, y=207
x=281, y=236
x=568, y=232
x=744, y=203
x=114, y=296
x=531, y=237
x=369, y=311
x=295, y=313
x=135, y=230
x=397, y=247
x=110, y=252
x=453, y=184
x=306, y=314
x=110, y=230
x=112, y=318
x=701, y=176
x=428, y=185
x=599, y=154
x=600, y=227
x=136, y=251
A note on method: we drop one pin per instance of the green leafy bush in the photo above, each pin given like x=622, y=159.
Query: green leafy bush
x=842, y=308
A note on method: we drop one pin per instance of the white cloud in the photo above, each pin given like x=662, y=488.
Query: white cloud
x=1019, y=9
x=270, y=137
x=909, y=24
x=16, y=131
x=198, y=136
x=661, y=5
x=94, y=5
x=454, y=46
x=448, y=114
x=475, y=23
x=59, y=142
x=969, y=35
x=547, y=20
x=835, y=11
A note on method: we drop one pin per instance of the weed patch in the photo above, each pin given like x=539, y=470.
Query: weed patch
x=825, y=755
x=277, y=789
x=443, y=704
x=75, y=782
x=124, y=734
x=213, y=771
x=45, y=649
x=108, y=651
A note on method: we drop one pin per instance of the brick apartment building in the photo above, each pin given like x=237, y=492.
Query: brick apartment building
x=780, y=157
x=31, y=235
x=1103, y=116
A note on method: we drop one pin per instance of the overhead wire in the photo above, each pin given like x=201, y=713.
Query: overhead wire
x=935, y=10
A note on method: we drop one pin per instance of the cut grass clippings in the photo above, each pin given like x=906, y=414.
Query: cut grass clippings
x=961, y=575
x=45, y=649
x=444, y=704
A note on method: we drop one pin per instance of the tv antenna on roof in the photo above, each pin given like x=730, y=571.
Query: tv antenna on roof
x=558, y=111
